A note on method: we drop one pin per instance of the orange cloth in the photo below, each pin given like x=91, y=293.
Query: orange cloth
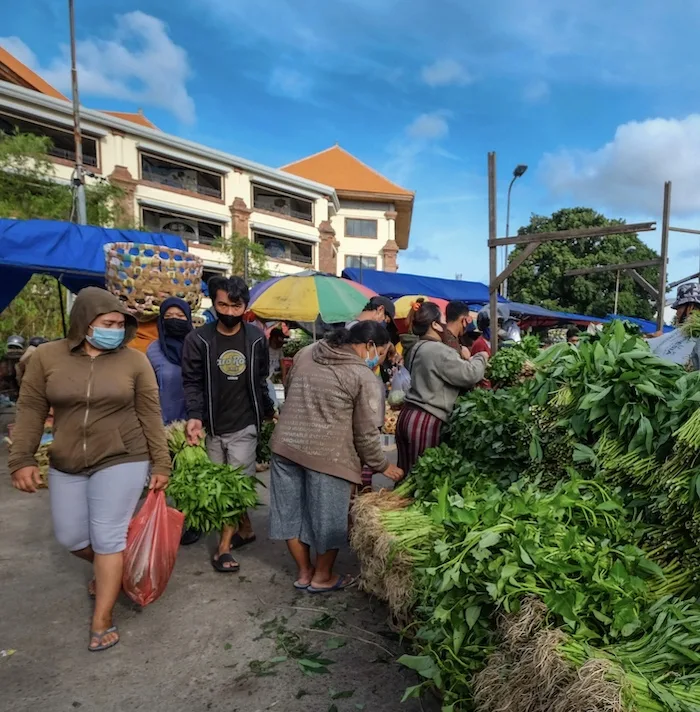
x=146, y=334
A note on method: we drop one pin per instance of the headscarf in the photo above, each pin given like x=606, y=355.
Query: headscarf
x=171, y=346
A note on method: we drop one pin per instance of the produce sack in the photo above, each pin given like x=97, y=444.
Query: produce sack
x=151, y=549
x=674, y=346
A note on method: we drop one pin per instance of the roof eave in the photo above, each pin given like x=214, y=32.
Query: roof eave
x=98, y=117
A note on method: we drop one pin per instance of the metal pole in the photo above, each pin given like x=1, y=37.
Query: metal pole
x=79, y=178
x=617, y=291
x=504, y=289
x=63, y=310
x=661, y=301
x=493, y=254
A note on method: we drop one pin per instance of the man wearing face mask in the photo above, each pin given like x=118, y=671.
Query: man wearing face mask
x=225, y=366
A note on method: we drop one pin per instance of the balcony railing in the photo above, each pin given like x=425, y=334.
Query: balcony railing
x=285, y=210
x=192, y=187
x=70, y=156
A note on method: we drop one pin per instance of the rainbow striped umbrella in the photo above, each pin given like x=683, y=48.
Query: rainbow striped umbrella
x=305, y=297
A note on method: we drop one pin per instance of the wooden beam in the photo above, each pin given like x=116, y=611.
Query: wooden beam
x=515, y=263
x=577, y=234
x=683, y=281
x=651, y=291
x=613, y=268
x=493, y=254
x=665, y=220
x=684, y=229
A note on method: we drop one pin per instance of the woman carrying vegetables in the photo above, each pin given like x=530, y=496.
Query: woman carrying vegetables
x=438, y=374
x=108, y=434
x=327, y=429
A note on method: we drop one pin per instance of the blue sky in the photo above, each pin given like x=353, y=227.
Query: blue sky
x=600, y=102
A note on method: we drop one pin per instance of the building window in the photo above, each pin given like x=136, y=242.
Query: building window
x=284, y=248
x=62, y=140
x=177, y=175
x=189, y=229
x=359, y=262
x=355, y=227
x=281, y=203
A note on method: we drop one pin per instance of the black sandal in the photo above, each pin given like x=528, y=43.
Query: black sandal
x=238, y=541
x=218, y=564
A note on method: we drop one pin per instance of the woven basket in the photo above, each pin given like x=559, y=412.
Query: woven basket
x=143, y=276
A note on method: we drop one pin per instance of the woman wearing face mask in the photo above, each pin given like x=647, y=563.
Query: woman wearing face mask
x=165, y=355
x=438, y=374
x=327, y=429
x=108, y=433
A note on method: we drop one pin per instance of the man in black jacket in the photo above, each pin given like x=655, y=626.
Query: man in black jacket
x=225, y=366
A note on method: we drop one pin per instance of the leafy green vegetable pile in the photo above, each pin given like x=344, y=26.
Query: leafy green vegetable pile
x=575, y=494
x=210, y=496
x=511, y=364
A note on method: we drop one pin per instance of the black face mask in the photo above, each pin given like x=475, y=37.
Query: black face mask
x=228, y=320
x=179, y=328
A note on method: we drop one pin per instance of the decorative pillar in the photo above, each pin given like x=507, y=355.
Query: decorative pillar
x=124, y=205
x=327, y=248
x=389, y=254
x=240, y=218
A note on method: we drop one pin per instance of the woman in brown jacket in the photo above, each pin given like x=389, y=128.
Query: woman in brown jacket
x=326, y=431
x=108, y=434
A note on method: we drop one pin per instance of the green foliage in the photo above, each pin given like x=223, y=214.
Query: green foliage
x=263, y=453
x=27, y=190
x=35, y=311
x=541, y=278
x=292, y=347
x=210, y=496
x=237, y=249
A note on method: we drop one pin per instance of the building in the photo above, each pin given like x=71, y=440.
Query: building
x=324, y=212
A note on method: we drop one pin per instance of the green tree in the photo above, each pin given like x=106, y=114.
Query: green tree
x=28, y=190
x=237, y=249
x=542, y=279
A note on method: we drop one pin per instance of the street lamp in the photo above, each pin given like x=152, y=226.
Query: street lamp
x=628, y=251
x=518, y=171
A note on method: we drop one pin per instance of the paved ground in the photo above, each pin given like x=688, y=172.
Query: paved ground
x=212, y=642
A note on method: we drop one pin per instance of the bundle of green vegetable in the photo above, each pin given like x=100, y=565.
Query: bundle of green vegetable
x=263, y=453
x=210, y=496
x=500, y=517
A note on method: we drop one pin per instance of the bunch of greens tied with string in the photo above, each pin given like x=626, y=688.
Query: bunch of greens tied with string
x=210, y=496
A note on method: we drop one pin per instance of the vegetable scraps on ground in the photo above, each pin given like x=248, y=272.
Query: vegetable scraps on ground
x=210, y=496
x=544, y=557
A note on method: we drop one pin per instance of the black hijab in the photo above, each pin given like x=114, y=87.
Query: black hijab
x=171, y=345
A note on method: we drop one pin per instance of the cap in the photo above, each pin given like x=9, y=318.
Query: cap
x=389, y=307
x=687, y=294
x=15, y=342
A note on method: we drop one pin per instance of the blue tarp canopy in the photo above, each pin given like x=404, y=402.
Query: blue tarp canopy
x=74, y=254
x=396, y=284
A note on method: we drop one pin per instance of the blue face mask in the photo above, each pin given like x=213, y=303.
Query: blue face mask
x=374, y=361
x=106, y=339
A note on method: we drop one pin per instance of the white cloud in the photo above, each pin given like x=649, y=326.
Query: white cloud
x=429, y=126
x=536, y=91
x=445, y=72
x=629, y=172
x=289, y=83
x=138, y=63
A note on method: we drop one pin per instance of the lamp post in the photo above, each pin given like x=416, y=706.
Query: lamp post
x=78, y=180
x=628, y=250
x=518, y=171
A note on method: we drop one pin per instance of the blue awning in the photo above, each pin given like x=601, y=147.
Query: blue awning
x=74, y=254
x=398, y=284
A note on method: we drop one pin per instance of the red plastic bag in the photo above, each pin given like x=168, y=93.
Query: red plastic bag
x=151, y=549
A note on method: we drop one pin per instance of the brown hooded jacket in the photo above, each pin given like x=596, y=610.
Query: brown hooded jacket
x=329, y=417
x=106, y=409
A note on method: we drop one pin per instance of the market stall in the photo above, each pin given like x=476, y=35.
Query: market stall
x=544, y=557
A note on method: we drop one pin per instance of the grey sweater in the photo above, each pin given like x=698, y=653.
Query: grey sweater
x=438, y=374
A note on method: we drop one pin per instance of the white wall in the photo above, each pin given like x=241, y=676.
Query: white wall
x=361, y=246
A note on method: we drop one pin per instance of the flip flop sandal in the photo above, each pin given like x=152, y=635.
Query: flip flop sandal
x=301, y=586
x=100, y=637
x=238, y=541
x=342, y=583
x=218, y=564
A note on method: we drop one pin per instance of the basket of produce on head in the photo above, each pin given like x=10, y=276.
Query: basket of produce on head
x=143, y=276
x=544, y=557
